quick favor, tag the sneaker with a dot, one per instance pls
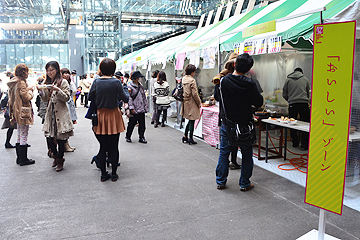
(105, 177)
(244, 189)
(128, 139)
(114, 178)
(142, 140)
(234, 166)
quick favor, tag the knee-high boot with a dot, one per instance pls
(23, 156)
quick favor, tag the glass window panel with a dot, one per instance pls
(10, 54)
(29, 54)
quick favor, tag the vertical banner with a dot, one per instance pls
(260, 46)
(209, 58)
(274, 44)
(333, 62)
(180, 58)
(249, 47)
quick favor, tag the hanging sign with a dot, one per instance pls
(249, 48)
(239, 48)
(259, 28)
(180, 58)
(260, 46)
(330, 114)
(138, 59)
(195, 58)
(274, 44)
(209, 57)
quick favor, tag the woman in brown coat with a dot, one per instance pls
(58, 125)
(20, 110)
(191, 105)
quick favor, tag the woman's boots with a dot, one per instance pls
(59, 164)
(22, 155)
(68, 148)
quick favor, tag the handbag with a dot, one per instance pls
(238, 134)
(92, 111)
(25, 113)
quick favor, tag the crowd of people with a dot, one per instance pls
(112, 95)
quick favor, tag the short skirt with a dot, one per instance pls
(110, 121)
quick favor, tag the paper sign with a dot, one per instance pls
(180, 58)
(239, 48)
(249, 48)
(274, 44)
(333, 62)
(260, 46)
(209, 58)
(195, 58)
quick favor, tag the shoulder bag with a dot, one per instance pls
(92, 111)
(238, 134)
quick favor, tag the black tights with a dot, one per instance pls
(108, 144)
(59, 153)
(9, 134)
(190, 127)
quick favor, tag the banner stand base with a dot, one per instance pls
(313, 235)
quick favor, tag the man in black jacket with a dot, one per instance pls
(240, 94)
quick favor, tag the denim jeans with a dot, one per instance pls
(222, 168)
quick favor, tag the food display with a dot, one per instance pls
(283, 119)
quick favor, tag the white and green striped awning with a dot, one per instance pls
(291, 24)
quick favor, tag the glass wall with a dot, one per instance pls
(35, 56)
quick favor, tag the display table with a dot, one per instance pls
(300, 126)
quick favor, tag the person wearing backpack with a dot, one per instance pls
(190, 108)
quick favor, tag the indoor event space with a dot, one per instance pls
(180, 119)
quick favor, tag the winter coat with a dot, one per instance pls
(62, 114)
(19, 96)
(296, 88)
(139, 104)
(190, 108)
(162, 93)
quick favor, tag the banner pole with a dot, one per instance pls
(322, 222)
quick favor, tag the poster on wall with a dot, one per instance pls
(260, 46)
(239, 48)
(249, 47)
(330, 114)
(180, 58)
(209, 58)
(195, 58)
(274, 44)
(126, 67)
(133, 67)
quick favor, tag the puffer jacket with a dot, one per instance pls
(19, 96)
(138, 103)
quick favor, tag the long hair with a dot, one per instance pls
(161, 77)
(58, 78)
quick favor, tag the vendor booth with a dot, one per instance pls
(279, 37)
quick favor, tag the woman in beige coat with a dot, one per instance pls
(58, 125)
(191, 105)
(20, 110)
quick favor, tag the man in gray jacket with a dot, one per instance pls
(297, 92)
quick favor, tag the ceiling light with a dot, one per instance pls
(19, 3)
(152, 6)
(7, 2)
(125, 4)
(31, 3)
(169, 8)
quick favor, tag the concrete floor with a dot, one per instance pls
(166, 190)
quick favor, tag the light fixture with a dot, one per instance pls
(125, 4)
(152, 6)
(7, 2)
(160, 8)
(141, 7)
(31, 3)
(169, 8)
(19, 3)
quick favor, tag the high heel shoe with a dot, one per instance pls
(191, 141)
(184, 139)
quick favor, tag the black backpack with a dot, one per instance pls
(178, 92)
